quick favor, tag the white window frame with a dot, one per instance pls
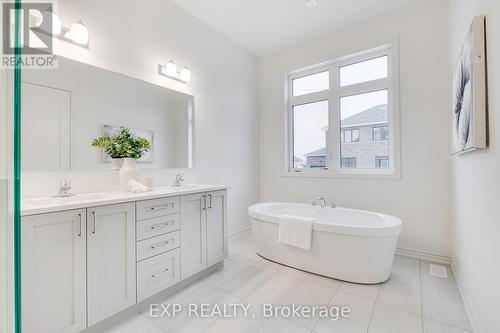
(333, 95)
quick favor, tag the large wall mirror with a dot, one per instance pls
(66, 108)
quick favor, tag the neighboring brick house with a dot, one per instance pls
(316, 159)
(364, 142)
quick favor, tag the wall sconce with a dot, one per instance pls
(78, 34)
(170, 70)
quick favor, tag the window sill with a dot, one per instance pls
(389, 175)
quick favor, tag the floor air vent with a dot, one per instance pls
(439, 271)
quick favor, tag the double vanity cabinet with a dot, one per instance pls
(83, 265)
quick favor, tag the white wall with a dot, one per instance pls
(421, 198)
(133, 38)
(476, 180)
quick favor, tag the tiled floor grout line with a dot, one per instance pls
(447, 324)
(373, 310)
(298, 324)
(329, 302)
(291, 293)
(441, 286)
(251, 262)
(398, 309)
(401, 309)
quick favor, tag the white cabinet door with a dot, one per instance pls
(54, 272)
(111, 260)
(216, 227)
(193, 234)
(157, 273)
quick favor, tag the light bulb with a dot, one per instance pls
(56, 24)
(185, 74)
(171, 69)
(79, 33)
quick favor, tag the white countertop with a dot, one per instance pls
(31, 206)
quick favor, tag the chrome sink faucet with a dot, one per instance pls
(64, 189)
(178, 180)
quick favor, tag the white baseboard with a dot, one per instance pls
(467, 303)
(424, 255)
(239, 234)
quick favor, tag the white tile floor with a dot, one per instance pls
(411, 301)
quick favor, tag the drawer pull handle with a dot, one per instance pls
(80, 225)
(161, 225)
(154, 246)
(155, 275)
(94, 218)
(161, 207)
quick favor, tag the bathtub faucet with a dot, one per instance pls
(322, 203)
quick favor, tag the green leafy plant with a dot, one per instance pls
(123, 145)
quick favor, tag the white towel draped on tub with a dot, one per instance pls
(296, 231)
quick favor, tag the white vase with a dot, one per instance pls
(116, 163)
(127, 172)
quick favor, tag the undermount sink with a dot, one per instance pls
(62, 200)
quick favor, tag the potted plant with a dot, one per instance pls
(127, 148)
(111, 148)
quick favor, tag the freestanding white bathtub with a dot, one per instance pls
(347, 244)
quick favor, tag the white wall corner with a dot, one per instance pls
(476, 328)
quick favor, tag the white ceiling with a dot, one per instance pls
(265, 26)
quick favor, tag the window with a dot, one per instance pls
(380, 133)
(350, 135)
(363, 71)
(310, 122)
(311, 83)
(381, 162)
(348, 162)
(334, 105)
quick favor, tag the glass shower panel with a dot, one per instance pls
(10, 227)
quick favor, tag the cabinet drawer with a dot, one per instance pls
(157, 207)
(150, 247)
(157, 273)
(157, 226)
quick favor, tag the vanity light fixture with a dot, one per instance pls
(78, 34)
(170, 70)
